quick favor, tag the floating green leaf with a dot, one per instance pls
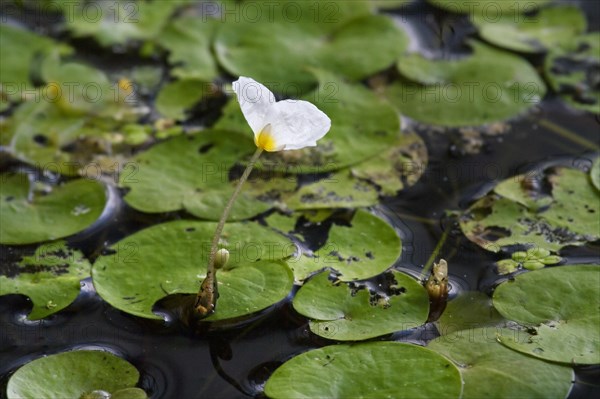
(179, 96)
(560, 306)
(119, 21)
(72, 375)
(366, 370)
(521, 213)
(362, 126)
(20, 54)
(490, 370)
(351, 312)
(183, 34)
(337, 190)
(357, 249)
(193, 174)
(532, 259)
(487, 86)
(550, 27)
(44, 213)
(571, 70)
(50, 278)
(280, 46)
(397, 168)
(471, 309)
(171, 258)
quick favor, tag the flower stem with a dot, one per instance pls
(206, 300)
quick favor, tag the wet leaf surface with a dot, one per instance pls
(367, 370)
(47, 212)
(357, 249)
(171, 258)
(560, 307)
(572, 71)
(471, 309)
(72, 375)
(546, 29)
(491, 370)
(183, 34)
(550, 210)
(338, 37)
(397, 168)
(595, 173)
(354, 312)
(486, 86)
(50, 278)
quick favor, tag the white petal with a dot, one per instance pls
(255, 101)
(297, 124)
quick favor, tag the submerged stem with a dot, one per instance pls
(206, 299)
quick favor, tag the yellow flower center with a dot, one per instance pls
(265, 139)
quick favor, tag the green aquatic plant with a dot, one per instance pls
(532, 259)
(277, 126)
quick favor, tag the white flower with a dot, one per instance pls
(279, 125)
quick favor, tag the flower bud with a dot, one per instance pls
(221, 258)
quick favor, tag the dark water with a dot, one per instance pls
(235, 362)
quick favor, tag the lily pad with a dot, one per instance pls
(490, 370)
(366, 370)
(486, 86)
(337, 190)
(133, 275)
(550, 27)
(282, 45)
(20, 54)
(183, 34)
(353, 312)
(36, 214)
(193, 174)
(72, 375)
(522, 213)
(362, 126)
(560, 307)
(50, 278)
(176, 97)
(470, 310)
(571, 70)
(118, 22)
(397, 168)
(389, 4)
(360, 248)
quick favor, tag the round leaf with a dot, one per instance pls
(367, 370)
(490, 8)
(571, 68)
(345, 313)
(281, 46)
(171, 258)
(50, 278)
(490, 370)
(471, 309)
(360, 249)
(487, 86)
(560, 304)
(550, 27)
(71, 375)
(193, 174)
(65, 210)
(520, 212)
